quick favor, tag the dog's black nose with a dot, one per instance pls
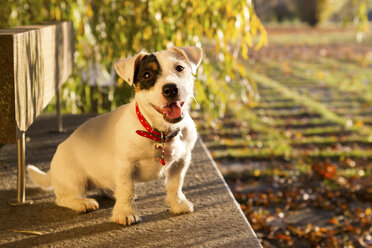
(170, 91)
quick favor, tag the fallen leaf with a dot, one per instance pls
(243, 207)
(308, 228)
(325, 169)
(320, 75)
(298, 135)
(333, 221)
(29, 232)
(284, 237)
(295, 230)
(323, 230)
(286, 68)
(368, 211)
(359, 123)
(257, 173)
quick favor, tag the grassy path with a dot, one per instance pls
(300, 163)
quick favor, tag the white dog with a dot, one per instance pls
(151, 136)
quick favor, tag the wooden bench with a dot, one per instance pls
(35, 61)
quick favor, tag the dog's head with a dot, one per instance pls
(163, 80)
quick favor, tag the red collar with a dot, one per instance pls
(154, 134)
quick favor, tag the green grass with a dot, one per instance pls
(320, 130)
(313, 106)
(285, 112)
(360, 154)
(311, 37)
(330, 140)
(303, 121)
(272, 139)
(306, 39)
(252, 153)
(283, 152)
(344, 77)
(317, 123)
(276, 105)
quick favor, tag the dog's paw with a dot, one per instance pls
(79, 204)
(181, 206)
(124, 216)
(89, 204)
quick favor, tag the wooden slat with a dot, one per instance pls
(41, 60)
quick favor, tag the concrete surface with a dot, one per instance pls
(216, 222)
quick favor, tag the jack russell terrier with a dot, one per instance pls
(152, 135)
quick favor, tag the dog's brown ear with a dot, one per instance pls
(126, 68)
(192, 54)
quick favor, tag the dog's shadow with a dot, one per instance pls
(44, 210)
(59, 223)
(82, 232)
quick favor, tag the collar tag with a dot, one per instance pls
(155, 135)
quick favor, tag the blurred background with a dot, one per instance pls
(283, 98)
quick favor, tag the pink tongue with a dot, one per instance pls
(173, 110)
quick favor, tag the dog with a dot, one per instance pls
(153, 135)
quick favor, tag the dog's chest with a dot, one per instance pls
(148, 166)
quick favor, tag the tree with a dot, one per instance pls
(108, 30)
(318, 11)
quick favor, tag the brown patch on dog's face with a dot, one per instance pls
(147, 72)
(138, 87)
(154, 66)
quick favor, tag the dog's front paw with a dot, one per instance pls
(79, 204)
(181, 206)
(124, 215)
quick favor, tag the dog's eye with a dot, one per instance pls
(146, 75)
(179, 68)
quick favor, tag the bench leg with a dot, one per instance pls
(59, 112)
(21, 186)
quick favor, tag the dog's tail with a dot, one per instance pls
(39, 177)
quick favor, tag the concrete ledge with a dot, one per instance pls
(216, 222)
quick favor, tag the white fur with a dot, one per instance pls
(39, 176)
(107, 151)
